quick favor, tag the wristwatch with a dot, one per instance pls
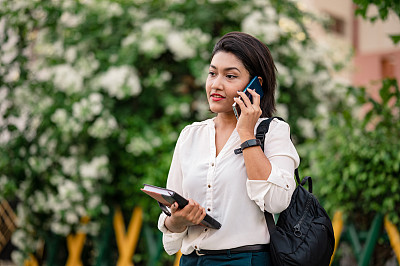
(247, 144)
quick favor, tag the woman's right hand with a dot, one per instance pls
(191, 214)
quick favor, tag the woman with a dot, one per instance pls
(233, 189)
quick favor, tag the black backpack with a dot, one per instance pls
(303, 234)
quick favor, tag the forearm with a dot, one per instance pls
(258, 166)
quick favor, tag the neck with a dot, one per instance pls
(225, 121)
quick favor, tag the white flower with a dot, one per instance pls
(13, 74)
(3, 23)
(282, 111)
(70, 20)
(67, 79)
(94, 202)
(114, 9)
(69, 165)
(39, 164)
(138, 145)
(87, 108)
(3, 93)
(120, 82)
(105, 209)
(43, 74)
(61, 229)
(179, 46)
(103, 127)
(71, 217)
(202, 108)
(156, 27)
(283, 74)
(60, 116)
(256, 24)
(9, 55)
(18, 238)
(128, 40)
(67, 188)
(307, 127)
(270, 13)
(12, 40)
(20, 122)
(80, 210)
(86, 65)
(288, 25)
(152, 47)
(17, 257)
(95, 169)
(184, 109)
(70, 54)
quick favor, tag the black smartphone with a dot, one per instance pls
(255, 85)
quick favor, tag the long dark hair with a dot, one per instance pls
(257, 59)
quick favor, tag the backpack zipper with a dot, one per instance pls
(296, 228)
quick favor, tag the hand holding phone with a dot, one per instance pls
(255, 85)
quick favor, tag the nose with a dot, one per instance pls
(217, 82)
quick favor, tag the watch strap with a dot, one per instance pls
(247, 144)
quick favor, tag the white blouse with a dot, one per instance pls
(220, 185)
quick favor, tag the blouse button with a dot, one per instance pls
(287, 186)
(205, 230)
(209, 186)
(212, 164)
(208, 209)
(195, 247)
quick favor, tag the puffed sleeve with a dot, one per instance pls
(274, 194)
(173, 241)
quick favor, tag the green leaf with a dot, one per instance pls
(395, 38)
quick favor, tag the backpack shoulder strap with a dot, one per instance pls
(262, 130)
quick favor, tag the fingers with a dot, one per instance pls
(174, 207)
(246, 106)
(195, 212)
(192, 213)
(245, 99)
(256, 97)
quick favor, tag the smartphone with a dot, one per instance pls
(255, 85)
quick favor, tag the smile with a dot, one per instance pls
(216, 97)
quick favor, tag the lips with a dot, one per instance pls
(216, 97)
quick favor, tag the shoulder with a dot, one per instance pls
(195, 128)
(276, 125)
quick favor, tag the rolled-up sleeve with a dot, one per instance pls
(172, 242)
(274, 194)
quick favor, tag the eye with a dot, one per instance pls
(229, 76)
(210, 73)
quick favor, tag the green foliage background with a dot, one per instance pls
(93, 95)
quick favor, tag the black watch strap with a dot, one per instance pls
(247, 144)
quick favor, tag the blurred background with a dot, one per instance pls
(94, 93)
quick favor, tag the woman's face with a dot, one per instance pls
(226, 76)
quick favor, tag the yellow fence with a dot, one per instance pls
(127, 240)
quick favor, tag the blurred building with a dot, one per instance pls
(376, 56)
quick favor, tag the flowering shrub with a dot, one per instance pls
(93, 95)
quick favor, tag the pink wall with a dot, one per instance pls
(374, 67)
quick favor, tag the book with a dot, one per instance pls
(167, 197)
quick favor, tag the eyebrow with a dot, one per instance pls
(226, 69)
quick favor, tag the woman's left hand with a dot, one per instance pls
(249, 114)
